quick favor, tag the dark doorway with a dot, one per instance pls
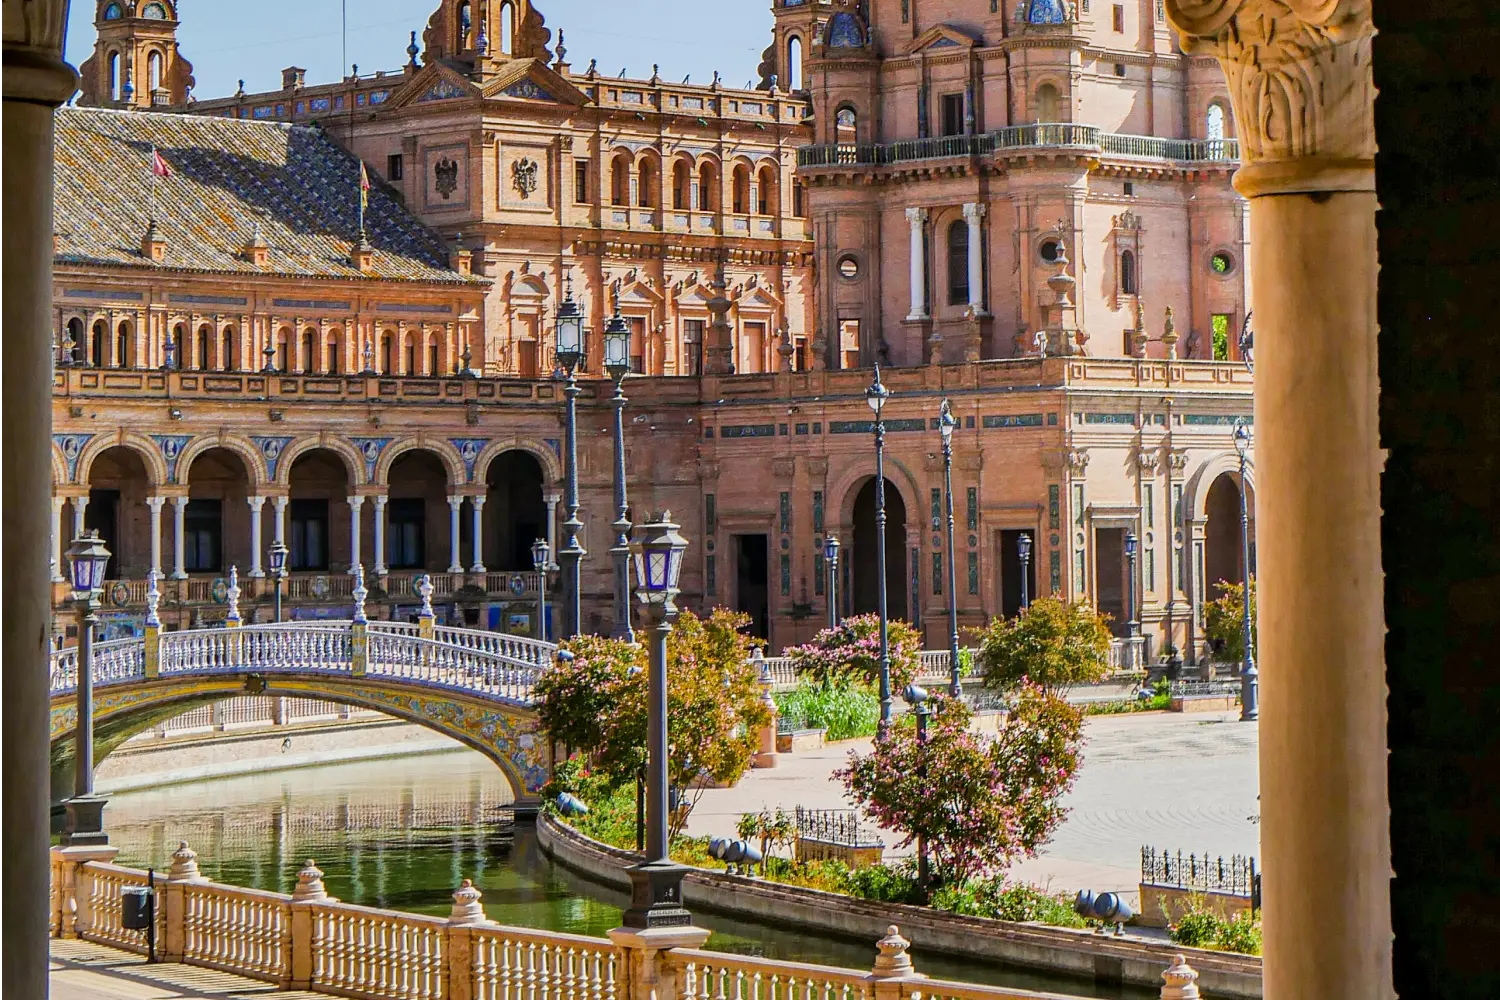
(515, 514)
(406, 533)
(103, 515)
(309, 540)
(1109, 578)
(1010, 572)
(751, 577)
(203, 539)
(1223, 557)
(862, 556)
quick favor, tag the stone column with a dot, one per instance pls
(974, 216)
(36, 82)
(256, 503)
(455, 564)
(477, 503)
(380, 502)
(1300, 78)
(355, 505)
(917, 217)
(552, 498)
(278, 523)
(80, 505)
(57, 540)
(154, 504)
(179, 541)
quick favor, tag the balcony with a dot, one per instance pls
(1046, 135)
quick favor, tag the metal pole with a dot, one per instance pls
(572, 553)
(621, 550)
(1025, 579)
(833, 590)
(923, 873)
(1249, 676)
(541, 603)
(656, 758)
(1135, 626)
(83, 775)
(955, 682)
(280, 576)
(885, 637)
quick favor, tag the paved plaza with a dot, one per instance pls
(1172, 781)
(80, 970)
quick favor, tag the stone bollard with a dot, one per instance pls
(765, 755)
(182, 873)
(1181, 982)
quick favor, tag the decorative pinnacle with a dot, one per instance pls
(467, 910)
(893, 961)
(309, 883)
(359, 594)
(153, 599)
(425, 588)
(233, 594)
(184, 865)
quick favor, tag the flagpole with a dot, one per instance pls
(155, 179)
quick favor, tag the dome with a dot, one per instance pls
(1046, 12)
(844, 32)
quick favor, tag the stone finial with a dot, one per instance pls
(153, 599)
(893, 962)
(1169, 336)
(309, 884)
(233, 595)
(359, 594)
(1181, 982)
(467, 910)
(425, 588)
(785, 350)
(184, 865)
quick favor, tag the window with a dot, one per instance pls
(334, 362)
(1221, 336)
(1129, 188)
(153, 71)
(958, 263)
(754, 353)
(393, 167)
(741, 189)
(96, 348)
(411, 355)
(202, 528)
(200, 359)
(75, 334)
(310, 351)
(849, 267)
(388, 354)
(708, 187)
(692, 347)
(619, 181)
(1213, 125)
(1120, 18)
(797, 209)
(309, 541)
(1120, 69)
(1127, 273)
(122, 345)
(1050, 250)
(646, 185)
(767, 202)
(849, 339)
(407, 529)
(581, 182)
(638, 345)
(434, 358)
(1048, 104)
(507, 26)
(794, 63)
(953, 114)
(846, 120)
(1221, 263)
(226, 351)
(682, 186)
(526, 358)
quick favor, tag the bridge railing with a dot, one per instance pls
(439, 664)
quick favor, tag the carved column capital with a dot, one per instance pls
(1300, 78)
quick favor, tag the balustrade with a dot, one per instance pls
(512, 964)
(1036, 135)
(244, 931)
(360, 952)
(706, 975)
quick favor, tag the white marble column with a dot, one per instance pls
(154, 504)
(355, 505)
(478, 507)
(256, 503)
(455, 564)
(380, 502)
(974, 216)
(552, 498)
(179, 539)
(917, 217)
(278, 523)
(57, 545)
(80, 504)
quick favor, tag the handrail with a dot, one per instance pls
(1038, 135)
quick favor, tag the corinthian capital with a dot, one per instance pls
(1299, 75)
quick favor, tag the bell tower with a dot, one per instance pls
(478, 36)
(136, 63)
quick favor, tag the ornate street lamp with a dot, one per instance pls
(1249, 676)
(569, 357)
(656, 883)
(1023, 548)
(947, 424)
(541, 560)
(876, 396)
(87, 560)
(918, 698)
(617, 363)
(279, 552)
(1131, 543)
(831, 556)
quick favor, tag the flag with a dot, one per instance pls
(159, 166)
(364, 188)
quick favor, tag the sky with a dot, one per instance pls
(228, 41)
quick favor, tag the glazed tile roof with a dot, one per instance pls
(296, 183)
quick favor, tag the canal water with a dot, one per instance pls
(401, 834)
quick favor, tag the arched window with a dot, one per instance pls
(1128, 284)
(958, 262)
(708, 188)
(388, 353)
(78, 352)
(794, 63)
(434, 357)
(284, 350)
(619, 180)
(309, 350)
(153, 70)
(798, 208)
(180, 359)
(507, 27)
(847, 122)
(114, 76)
(201, 354)
(335, 354)
(766, 195)
(411, 354)
(465, 25)
(122, 345)
(1213, 125)
(682, 185)
(646, 183)
(96, 349)
(227, 360)
(741, 189)
(1048, 104)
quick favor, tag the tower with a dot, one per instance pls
(797, 25)
(136, 63)
(478, 35)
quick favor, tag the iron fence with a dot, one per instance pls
(1233, 876)
(834, 826)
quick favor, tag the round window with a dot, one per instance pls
(1051, 249)
(849, 267)
(1221, 263)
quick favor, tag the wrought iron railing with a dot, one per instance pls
(1235, 876)
(834, 826)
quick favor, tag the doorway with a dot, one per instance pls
(1109, 578)
(103, 515)
(863, 559)
(1010, 572)
(751, 582)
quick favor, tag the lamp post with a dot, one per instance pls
(541, 560)
(569, 357)
(917, 698)
(1131, 543)
(876, 396)
(656, 883)
(1249, 676)
(87, 559)
(947, 424)
(831, 555)
(617, 363)
(279, 553)
(1023, 548)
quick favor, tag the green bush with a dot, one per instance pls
(1159, 701)
(999, 900)
(885, 883)
(846, 710)
(1197, 929)
(1201, 928)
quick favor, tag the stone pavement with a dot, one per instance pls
(84, 971)
(1173, 781)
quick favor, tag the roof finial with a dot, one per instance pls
(412, 50)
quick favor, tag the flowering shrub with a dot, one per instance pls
(1054, 644)
(980, 803)
(1224, 622)
(850, 653)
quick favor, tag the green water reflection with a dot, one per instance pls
(402, 834)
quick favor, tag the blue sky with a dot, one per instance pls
(228, 41)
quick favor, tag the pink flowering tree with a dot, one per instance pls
(850, 653)
(981, 803)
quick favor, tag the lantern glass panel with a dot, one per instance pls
(617, 345)
(569, 330)
(676, 567)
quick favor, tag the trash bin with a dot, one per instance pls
(137, 907)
